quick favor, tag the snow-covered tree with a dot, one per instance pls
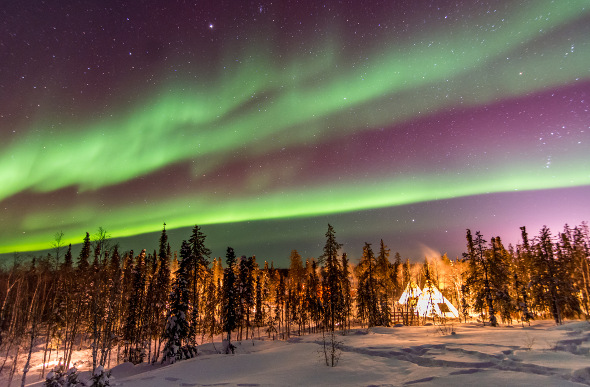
(100, 378)
(177, 329)
(58, 378)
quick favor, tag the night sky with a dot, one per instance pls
(263, 122)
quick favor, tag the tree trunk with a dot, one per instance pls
(14, 364)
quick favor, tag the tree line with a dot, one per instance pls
(156, 307)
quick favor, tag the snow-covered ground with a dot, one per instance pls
(542, 355)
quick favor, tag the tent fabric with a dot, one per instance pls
(431, 302)
(412, 291)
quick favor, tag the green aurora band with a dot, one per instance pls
(261, 107)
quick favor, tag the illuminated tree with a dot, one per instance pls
(297, 308)
(134, 324)
(551, 281)
(367, 299)
(161, 289)
(245, 293)
(177, 329)
(500, 279)
(199, 268)
(332, 288)
(386, 284)
(312, 295)
(478, 278)
(346, 290)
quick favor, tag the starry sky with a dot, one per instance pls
(407, 121)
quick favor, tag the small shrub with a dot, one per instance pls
(528, 341)
(100, 377)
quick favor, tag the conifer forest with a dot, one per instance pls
(159, 306)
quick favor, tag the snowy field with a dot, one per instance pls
(542, 355)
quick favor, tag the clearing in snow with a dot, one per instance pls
(442, 355)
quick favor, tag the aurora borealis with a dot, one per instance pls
(407, 121)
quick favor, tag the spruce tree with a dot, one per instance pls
(68, 262)
(346, 293)
(229, 298)
(133, 332)
(500, 279)
(295, 280)
(396, 275)
(580, 255)
(245, 293)
(161, 290)
(385, 284)
(331, 281)
(367, 299)
(522, 277)
(177, 329)
(210, 326)
(551, 282)
(259, 314)
(312, 295)
(199, 268)
(83, 262)
(479, 272)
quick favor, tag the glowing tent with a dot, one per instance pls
(431, 302)
(412, 292)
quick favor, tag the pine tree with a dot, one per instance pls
(161, 289)
(199, 268)
(68, 262)
(133, 332)
(367, 299)
(331, 281)
(500, 279)
(396, 275)
(522, 277)
(580, 254)
(229, 298)
(245, 293)
(571, 255)
(259, 315)
(296, 270)
(83, 262)
(346, 293)
(298, 311)
(551, 282)
(210, 326)
(112, 305)
(479, 271)
(312, 295)
(280, 300)
(177, 329)
(385, 284)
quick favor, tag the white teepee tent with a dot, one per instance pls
(431, 302)
(412, 291)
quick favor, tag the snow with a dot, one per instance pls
(542, 354)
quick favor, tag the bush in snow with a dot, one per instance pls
(57, 378)
(100, 377)
(54, 378)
